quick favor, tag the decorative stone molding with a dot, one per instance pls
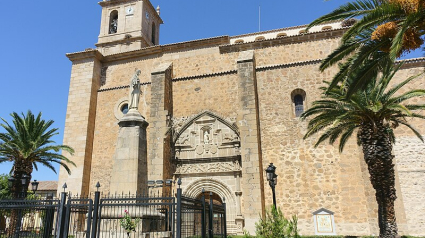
(216, 186)
(182, 123)
(205, 135)
(214, 167)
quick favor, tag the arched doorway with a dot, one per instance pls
(207, 156)
(211, 195)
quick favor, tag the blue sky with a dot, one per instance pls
(36, 35)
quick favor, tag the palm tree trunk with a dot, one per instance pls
(20, 168)
(377, 151)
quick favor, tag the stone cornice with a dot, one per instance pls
(222, 42)
(288, 65)
(87, 54)
(115, 2)
(286, 40)
(280, 29)
(121, 87)
(158, 49)
(122, 41)
(408, 63)
(205, 75)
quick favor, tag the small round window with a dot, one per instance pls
(124, 108)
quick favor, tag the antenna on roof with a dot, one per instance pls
(259, 17)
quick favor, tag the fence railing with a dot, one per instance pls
(170, 216)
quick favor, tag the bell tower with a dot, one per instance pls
(128, 25)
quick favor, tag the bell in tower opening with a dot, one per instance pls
(113, 26)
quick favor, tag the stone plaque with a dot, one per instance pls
(324, 223)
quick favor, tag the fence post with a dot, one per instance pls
(225, 219)
(18, 223)
(95, 213)
(210, 230)
(204, 225)
(61, 215)
(179, 210)
(48, 219)
(67, 216)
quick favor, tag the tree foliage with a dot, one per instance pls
(4, 187)
(372, 113)
(386, 29)
(27, 142)
(338, 116)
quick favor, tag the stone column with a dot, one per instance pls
(248, 122)
(159, 163)
(238, 194)
(129, 173)
(239, 218)
(80, 119)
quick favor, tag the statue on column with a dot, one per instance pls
(133, 101)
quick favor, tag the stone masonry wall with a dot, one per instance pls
(309, 178)
(410, 161)
(80, 121)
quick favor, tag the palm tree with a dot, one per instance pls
(372, 113)
(29, 143)
(386, 30)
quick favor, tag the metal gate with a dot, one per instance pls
(99, 217)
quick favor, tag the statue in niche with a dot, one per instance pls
(206, 137)
(114, 26)
(133, 101)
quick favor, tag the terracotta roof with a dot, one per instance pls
(47, 186)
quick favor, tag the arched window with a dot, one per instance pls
(260, 38)
(299, 105)
(153, 33)
(298, 97)
(325, 28)
(113, 22)
(240, 41)
(302, 32)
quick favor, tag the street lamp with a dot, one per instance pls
(25, 180)
(272, 178)
(34, 186)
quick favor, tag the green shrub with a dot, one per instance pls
(276, 225)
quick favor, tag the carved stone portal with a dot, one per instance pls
(206, 136)
(207, 149)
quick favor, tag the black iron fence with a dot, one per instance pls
(28, 218)
(173, 216)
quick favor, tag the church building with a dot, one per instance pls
(215, 113)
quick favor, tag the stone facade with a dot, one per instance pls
(219, 111)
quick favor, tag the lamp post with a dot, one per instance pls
(25, 180)
(34, 186)
(272, 178)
